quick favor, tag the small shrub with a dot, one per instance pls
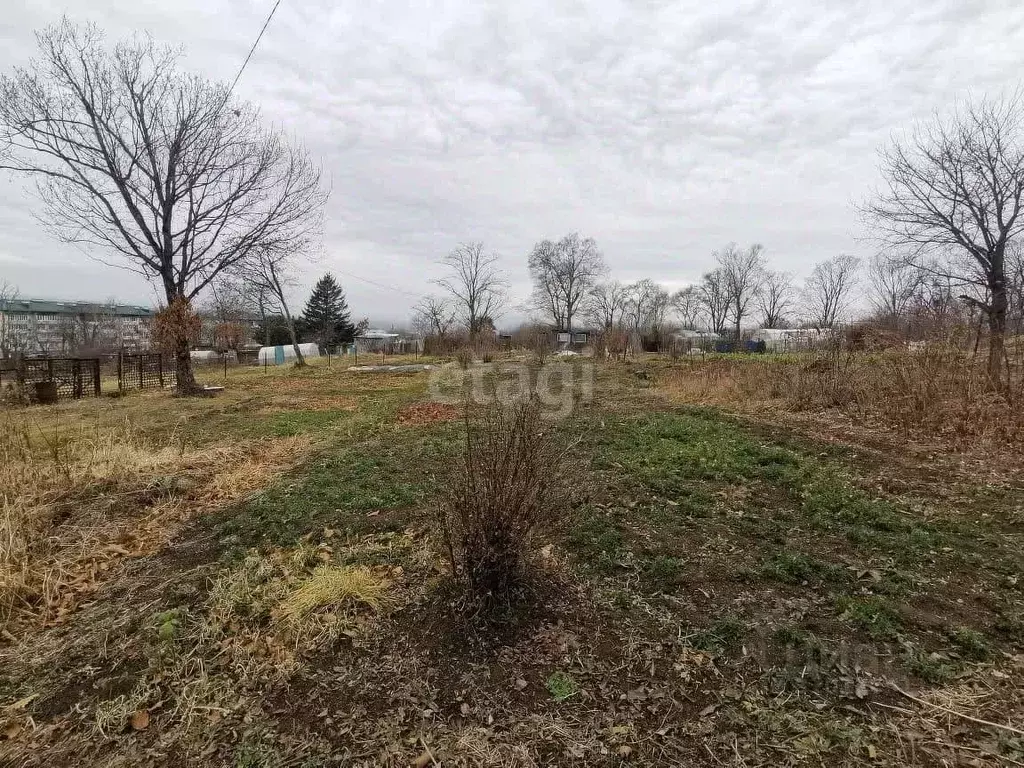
(931, 667)
(970, 644)
(663, 573)
(509, 480)
(723, 635)
(14, 394)
(561, 686)
(464, 357)
(872, 614)
(488, 357)
(796, 637)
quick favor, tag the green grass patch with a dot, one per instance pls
(662, 573)
(798, 568)
(931, 667)
(874, 615)
(725, 634)
(341, 490)
(292, 423)
(597, 541)
(970, 644)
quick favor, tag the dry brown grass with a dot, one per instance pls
(75, 498)
(939, 392)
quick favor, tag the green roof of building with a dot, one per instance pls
(46, 307)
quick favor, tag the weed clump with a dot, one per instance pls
(508, 482)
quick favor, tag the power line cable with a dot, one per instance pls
(234, 82)
(379, 285)
(253, 49)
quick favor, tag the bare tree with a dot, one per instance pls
(11, 340)
(161, 169)
(230, 308)
(645, 307)
(713, 294)
(433, 316)
(894, 283)
(563, 273)
(827, 291)
(775, 298)
(955, 186)
(742, 273)
(476, 285)
(605, 303)
(269, 273)
(687, 305)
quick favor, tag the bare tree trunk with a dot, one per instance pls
(300, 361)
(185, 379)
(997, 333)
(180, 310)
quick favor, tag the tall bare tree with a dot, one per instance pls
(776, 298)
(605, 303)
(160, 169)
(433, 316)
(742, 272)
(563, 273)
(475, 284)
(894, 284)
(713, 294)
(956, 186)
(827, 292)
(687, 305)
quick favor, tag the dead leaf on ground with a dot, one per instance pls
(140, 720)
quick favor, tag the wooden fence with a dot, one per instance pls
(48, 379)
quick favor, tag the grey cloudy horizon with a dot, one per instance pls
(664, 130)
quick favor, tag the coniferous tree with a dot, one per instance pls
(326, 317)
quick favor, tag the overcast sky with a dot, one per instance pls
(662, 129)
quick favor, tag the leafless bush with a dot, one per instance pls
(939, 388)
(464, 357)
(509, 481)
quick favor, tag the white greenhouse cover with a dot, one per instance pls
(279, 354)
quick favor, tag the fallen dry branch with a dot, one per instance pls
(961, 715)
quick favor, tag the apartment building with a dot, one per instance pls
(39, 327)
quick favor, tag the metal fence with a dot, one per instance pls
(143, 371)
(53, 378)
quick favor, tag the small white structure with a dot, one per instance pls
(376, 340)
(694, 341)
(283, 353)
(212, 356)
(692, 335)
(789, 339)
